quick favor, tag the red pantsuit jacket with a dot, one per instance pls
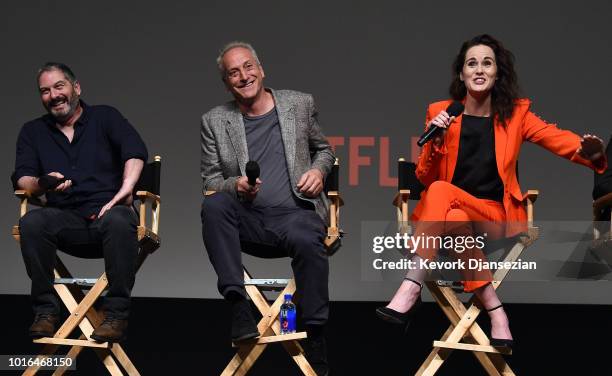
(439, 163)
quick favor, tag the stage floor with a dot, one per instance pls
(191, 336)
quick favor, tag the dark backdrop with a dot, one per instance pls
(372, 67)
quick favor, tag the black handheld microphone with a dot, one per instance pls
(455, 109)
(48, 182)
(252, 172)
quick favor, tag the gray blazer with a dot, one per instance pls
(224, 146)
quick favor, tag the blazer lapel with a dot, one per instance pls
(501, 144)
(237, 135)
(286, 119)
(453, 136)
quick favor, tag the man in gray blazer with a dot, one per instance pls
(282, 213)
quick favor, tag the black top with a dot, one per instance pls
(266, 147)
(94, 160)
(603, 182)
(476, 170)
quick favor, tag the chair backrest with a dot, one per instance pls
(332, 183)
(14, 181)
(406, 179)
(150, 177)
(332, 189)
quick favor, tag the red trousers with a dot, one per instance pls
(450, 211)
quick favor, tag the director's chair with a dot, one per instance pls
(463, 333)
(80, 304)
(269, 326)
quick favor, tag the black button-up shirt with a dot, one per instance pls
(94, 160)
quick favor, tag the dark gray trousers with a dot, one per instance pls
(230, 227)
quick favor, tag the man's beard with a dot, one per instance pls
(71, 103)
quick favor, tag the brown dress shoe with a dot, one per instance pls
(111, 330)
(43, 325)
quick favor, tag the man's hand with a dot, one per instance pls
(131, 172)
(311, 183)
(121, 198)
(63, 186)
(591, 147)
(246, 190)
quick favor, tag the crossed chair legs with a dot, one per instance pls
(269, 327)
(464, 333)
(86, 317)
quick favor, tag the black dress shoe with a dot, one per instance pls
(400, 318)
(243, 323)
(502, 343)
(316, 349)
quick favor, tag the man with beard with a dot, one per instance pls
(86, 160)
(284, 212)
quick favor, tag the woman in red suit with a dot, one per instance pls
(469, 170)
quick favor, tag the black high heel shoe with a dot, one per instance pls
(501, 342)
(400, 318)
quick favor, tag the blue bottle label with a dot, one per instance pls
(287, 320)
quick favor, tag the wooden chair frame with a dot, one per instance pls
(269, 326)
(464, 333)
(80, 304)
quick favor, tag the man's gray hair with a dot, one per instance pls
(51, 66)
(230, 46)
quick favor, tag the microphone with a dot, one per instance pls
(455, 109)
(48, 182)
(252, 172)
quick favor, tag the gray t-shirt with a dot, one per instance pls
(266, 147)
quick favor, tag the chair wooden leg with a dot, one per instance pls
(124, 360)
(92, 320)
(250, 355)
(436, 357)
(269, 325)
(463, 325)
(79, 312)
(455, 311)
(238, 359)
(108, 361)
(47, 350)
(72, 354)
(269, 315)
(297, 353)
(86, 317)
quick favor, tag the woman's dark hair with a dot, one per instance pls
(506, 89)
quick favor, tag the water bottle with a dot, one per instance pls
(287, 316)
